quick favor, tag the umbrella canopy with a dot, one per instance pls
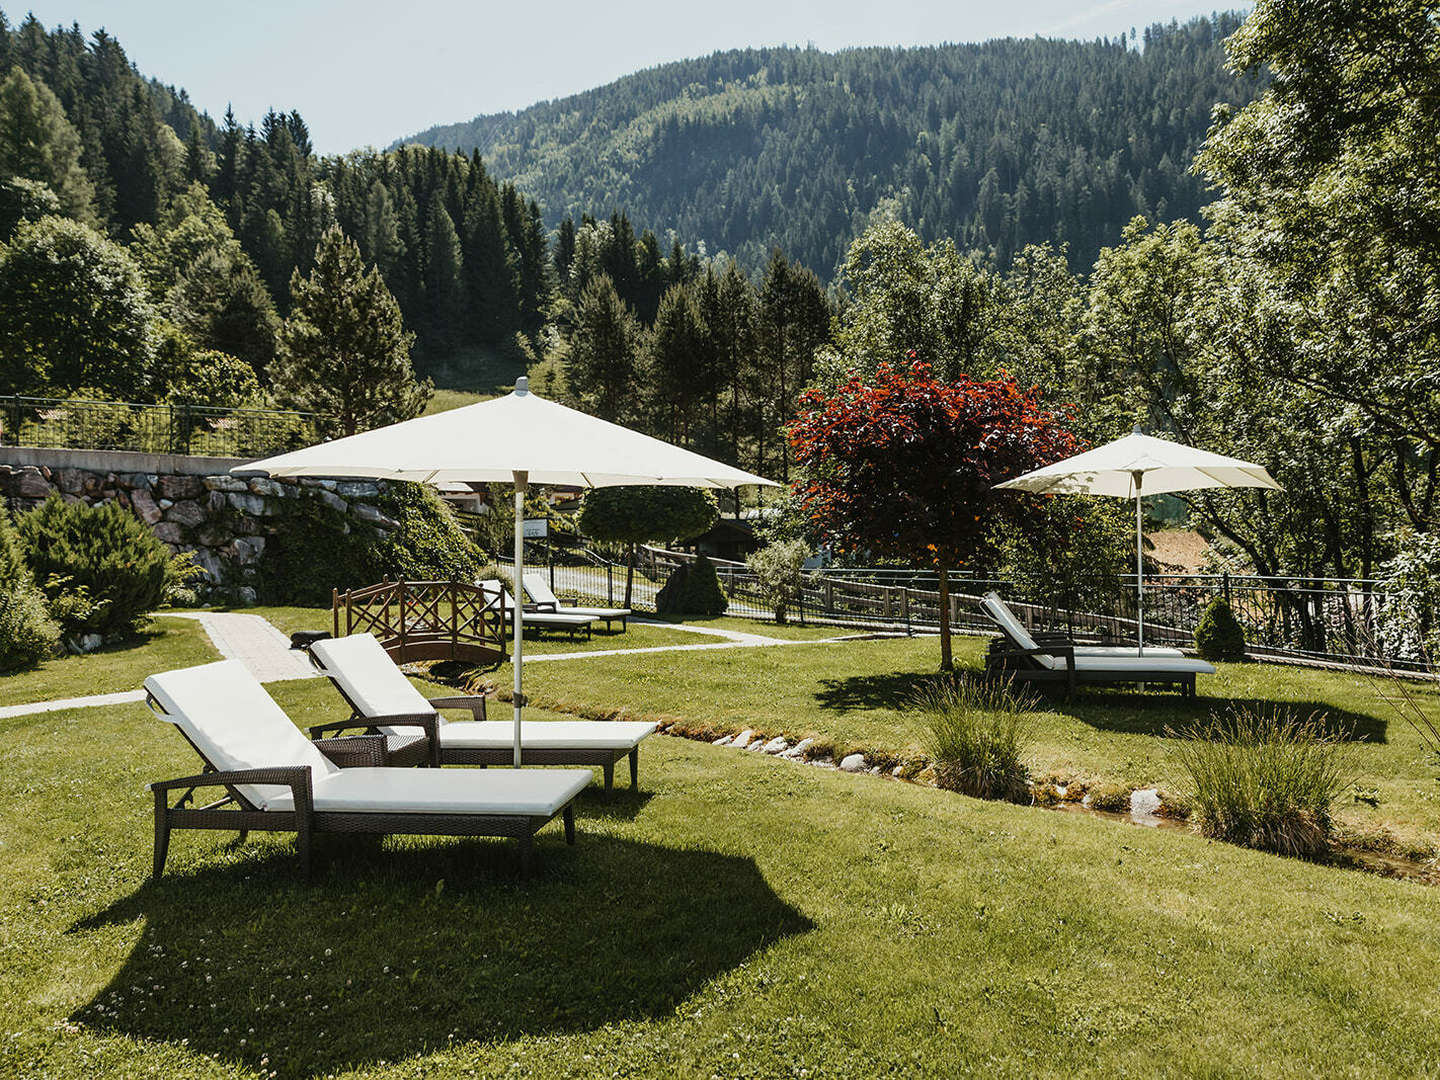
(518, 439)
(1136, 466)
(492, 441)
(1142, 464)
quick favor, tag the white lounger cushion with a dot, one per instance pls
(236, 725)
(1001, 613)
(529, 792)
(376, 687)
(370, 679)
(544, 734)
(539, 590)
(538, 618)
(1147, 664)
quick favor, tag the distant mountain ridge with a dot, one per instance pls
(997, 144)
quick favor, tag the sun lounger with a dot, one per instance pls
(1018, 656)
(377, 691)
(538, 589)
(277, 780)
(537, 619)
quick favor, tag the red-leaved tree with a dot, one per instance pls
(904, 465)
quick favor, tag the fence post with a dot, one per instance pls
(828, 591)
(905, 606)
(1225, 585)
(609, 583)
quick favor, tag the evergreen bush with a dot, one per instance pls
(702, 594)
(27, 632)
(101, 554)
(778, 568)
(1218, 635)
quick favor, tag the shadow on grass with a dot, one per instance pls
(1129, 711)
(856, 692)
(1140, 713)
(395, 949)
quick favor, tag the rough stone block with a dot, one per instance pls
(246, 503)
(168, 531)
(372, 515)
(262, 486)
(187, 513)
(181, 487)
(30, 483)
(143, 504)
(224, 483)
(357, 489)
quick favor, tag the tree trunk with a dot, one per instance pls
(946, 663)
(629, 574)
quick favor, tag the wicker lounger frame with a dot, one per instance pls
(1007, 661)
(426, 748)
(305, 821)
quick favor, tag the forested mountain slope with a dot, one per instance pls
(998, 145)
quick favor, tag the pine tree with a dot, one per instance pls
(38, 143)
(344, 349)
(675, 345)
(604, 347)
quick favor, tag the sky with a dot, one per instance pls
(366, 72)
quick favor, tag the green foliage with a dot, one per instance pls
(75, 313)
(1265, 780)
(692, 589)
(24, 200)
(37, 143)
(1409, 619)
(637, 514)
(1218, 634)
(1111, 798)
(316, 547)
(27, 632)
(977, 735)
(206, 377)
(702, 594)
(779, 573)
(102, 570)
(344, 349)
(602, 363)
(801, 148)
(1071, 552)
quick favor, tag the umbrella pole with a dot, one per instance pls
(521, 482)
(1139, 563)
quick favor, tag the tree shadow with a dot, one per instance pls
(1150, 713)
(397, 948)
(854, 693)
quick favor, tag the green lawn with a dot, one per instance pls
(744, 917)
(167, 643)
(851, 695)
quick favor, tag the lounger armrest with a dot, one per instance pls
(295, 777)
(475, 703)
(427, 722)
(355, 723)
(354, 751)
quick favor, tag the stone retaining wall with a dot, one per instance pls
(225, 520)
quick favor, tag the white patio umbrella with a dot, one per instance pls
(518, 439)
(1136, 466)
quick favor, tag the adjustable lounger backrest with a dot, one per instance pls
(369, 679)
(1014, 629)
(228, 716)
(539, 590)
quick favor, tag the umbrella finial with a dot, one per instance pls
(522, 385)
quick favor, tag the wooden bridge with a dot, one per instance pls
(424, 620)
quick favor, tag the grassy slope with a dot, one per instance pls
(849, 694)
(167, 643)
(748, 917)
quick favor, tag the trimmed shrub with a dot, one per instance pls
(778, 569)
(1264, 780)
(1218, 635)
(977, 736)
(100, 568)
(703, 595)
(27, 632)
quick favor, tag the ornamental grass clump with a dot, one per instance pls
(977, 736)
(1265, 779)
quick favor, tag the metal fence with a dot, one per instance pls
(78, 424)
(1326, 620)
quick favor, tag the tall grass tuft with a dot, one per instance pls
(977, 736)
(1265, 779)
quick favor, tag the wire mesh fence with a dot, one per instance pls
(205, 431)
(1323, 620)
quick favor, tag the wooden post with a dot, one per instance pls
(334, 612)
